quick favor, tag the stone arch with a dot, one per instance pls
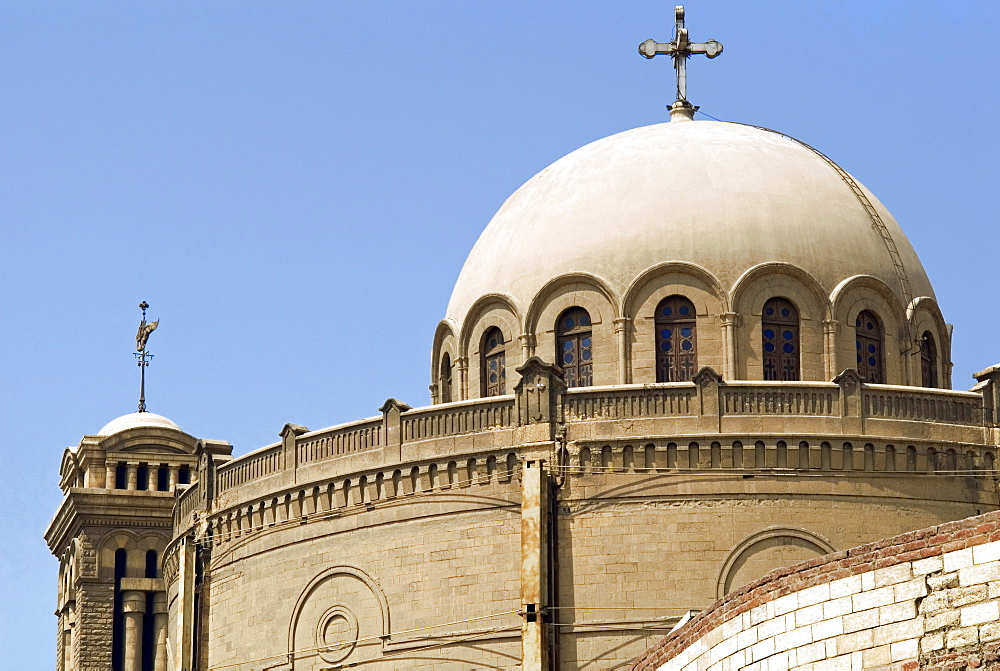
(653, 285)
(135, 544)
(864, 292)
(923, 315)
(445, 342)
(576, 290)
(303, 607)
(779, 280)
(806, 542)
(490, 311)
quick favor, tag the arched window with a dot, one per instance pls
(869, 345)
(493, 359)
(780, 340)
(928, 360)
(676, 340)
(575, 347)
(445, 383)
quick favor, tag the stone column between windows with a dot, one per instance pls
(133, 609)
(527, 346)
(173, 470)
(462, 364)
(160, 631)
(133, 476)
(623, 327)
(729, 321)
(830, 348)
(112, 472)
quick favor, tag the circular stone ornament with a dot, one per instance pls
(336, 634)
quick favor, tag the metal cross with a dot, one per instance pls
(141, 355)
(680, 50)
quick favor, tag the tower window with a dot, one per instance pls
(676, 340)
(575, 347)
(780, 340)
(121, 476)
(869, 345)
(494, 364)
(445, 378)
(184, 476)
(928, 360)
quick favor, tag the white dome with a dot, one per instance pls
(137, 420)
(723, 196)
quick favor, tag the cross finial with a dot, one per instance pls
(680, 49)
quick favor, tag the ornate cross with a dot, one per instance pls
(680, 49)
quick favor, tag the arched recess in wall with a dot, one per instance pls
(924, 315)
(767, 550)
(490, 311)
(576, 290)
(342, 613)
(752, 291)
(639, 307)
(445, 342)
(866, 293)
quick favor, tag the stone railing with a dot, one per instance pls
(662, 400)
(339, 440)
(950, 407)
(453, 419)
(780, 398)
(188, 501)
(253, 466)
(782, 424)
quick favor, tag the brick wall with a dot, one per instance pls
(924, 598)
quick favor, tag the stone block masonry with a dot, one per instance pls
(923, 599)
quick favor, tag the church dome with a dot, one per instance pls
(722, 196)
(137, 420)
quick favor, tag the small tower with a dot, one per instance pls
(110, 532)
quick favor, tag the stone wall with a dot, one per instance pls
(927, 598)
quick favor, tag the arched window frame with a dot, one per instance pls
(780, 349)
(575, 347)
(676, 339)
(928, 360)
(493, 360)
(869, 340)
(444, 380)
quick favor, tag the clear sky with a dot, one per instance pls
(293, 187)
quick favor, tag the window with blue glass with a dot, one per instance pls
(494, 366)
(869, 345)
(575, 345)
(676, 340)
(780, 340)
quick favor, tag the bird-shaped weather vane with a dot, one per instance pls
(141, 355)
(680, 50)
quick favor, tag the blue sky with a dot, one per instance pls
(293, 187)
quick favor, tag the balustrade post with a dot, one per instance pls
(392, 428)
(707, 383)
(851, 399)
(539, 394)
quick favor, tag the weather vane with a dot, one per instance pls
(680, 50)
(141, 355)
